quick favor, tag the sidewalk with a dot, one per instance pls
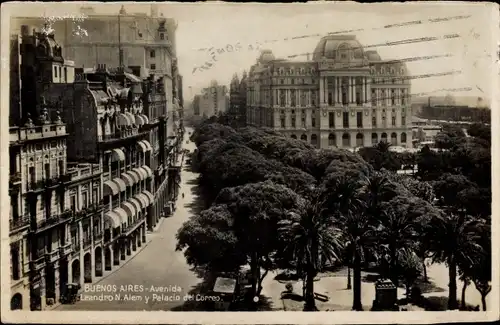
(150, 235)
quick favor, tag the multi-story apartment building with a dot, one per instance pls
(38, 220)
(213, 101)
(234, 96)
(41, 219)
(196, 105)
(243, 98)
(345, 97)
(81, 191)
(143, 43)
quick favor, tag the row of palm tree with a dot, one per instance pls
(352, 220)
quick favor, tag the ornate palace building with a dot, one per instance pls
(344, 97)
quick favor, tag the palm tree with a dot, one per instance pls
(455, 239)
(347, 209)
(358, 231)
(375, 190)
(349, 253)
(410, 267)
(383, 146)
(398, 231)
(313, 241)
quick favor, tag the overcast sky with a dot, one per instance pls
(217, 25)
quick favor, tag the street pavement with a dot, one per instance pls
(158, 267)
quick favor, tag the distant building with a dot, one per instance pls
(213, 100)
(243, 98)
(196, 105)
(423, 131)
(234, 96)
(345, 97)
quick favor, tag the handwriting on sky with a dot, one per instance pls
(77, 30)
(214, 53)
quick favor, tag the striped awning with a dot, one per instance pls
(122, 214)
(142, 146)
(117, 155)
(139, 120)
(121, 184)
(110, 188)
(148, 170)
(145, 118)
(147, 144)
(142, 173)
(150, 196)
(142, 199)
(135, 177)
(129, 208)
(136, 203)
(123, 120)
(111, 218)
(131, 117)
(129, 181)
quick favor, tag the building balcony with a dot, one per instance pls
(38, 263)
(17, 224)
(98, 237)
(87, 242)
(78, 171)
(45, 183)
(52, 221)
(15, 179)
(65, 250)
(37, 132)
(90, 210)
(51, 257)
(119, 135)
(132, 227)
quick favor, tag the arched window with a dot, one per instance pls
(343, 51)
(394, 138)
(331, 140)
(384, 137)
(294, 136)
(303, 137)
(374, 138)
(314, 139)
(346, 140)
(403, 137)
(359, 140)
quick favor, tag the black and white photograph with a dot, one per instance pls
(331, 159)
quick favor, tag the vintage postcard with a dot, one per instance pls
(311, 163)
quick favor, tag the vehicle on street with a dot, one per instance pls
(70, 296)
(226, 289)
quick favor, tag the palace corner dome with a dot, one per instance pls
(344, 97)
